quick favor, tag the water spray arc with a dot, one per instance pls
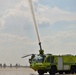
(35, 23)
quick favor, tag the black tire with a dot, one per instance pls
(60, 72)
(72, 69)
(75, 68)
(66, 72)
(41, 72)
(53, 70)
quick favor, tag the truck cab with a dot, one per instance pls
(37, 62)
(41, 63)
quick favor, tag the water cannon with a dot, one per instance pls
(41, 51)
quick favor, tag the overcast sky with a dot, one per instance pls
(56, 23)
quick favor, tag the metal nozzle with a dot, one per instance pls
(40, 45)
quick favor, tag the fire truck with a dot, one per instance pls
(43, 63)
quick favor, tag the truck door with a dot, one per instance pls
(60, 63)
(47, 62)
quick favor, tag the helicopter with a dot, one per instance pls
(43, 63)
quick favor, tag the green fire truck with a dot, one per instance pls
(53, 63)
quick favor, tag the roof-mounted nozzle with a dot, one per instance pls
(40, 45)
(41, 51)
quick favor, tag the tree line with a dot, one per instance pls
(11, 66)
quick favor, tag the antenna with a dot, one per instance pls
(35, 23)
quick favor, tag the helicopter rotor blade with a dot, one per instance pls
(26, 55)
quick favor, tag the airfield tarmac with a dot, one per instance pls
(21, 71)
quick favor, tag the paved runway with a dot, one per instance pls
(21, 71)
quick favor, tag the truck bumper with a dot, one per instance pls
(37, 66)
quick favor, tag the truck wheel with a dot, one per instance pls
(72, 69)
(40, 72)
(60, 72)
(67, 72)
(75, 68)
(53, 70)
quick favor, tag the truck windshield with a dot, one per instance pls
(38, 58)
